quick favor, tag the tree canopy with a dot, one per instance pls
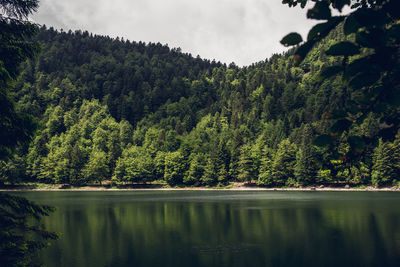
(135, 112)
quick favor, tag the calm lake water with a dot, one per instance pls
(214, 228)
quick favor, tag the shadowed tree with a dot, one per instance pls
(21, 236)
(14, 30)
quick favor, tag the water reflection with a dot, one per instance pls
(223, 228)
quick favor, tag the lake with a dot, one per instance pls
(222, 228)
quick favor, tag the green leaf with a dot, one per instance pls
(321, 30)
(343, 49)
(323, 140)
(371, 40)
(331, 71)
(364, 80)
(341, 126)
(320, 11)
(355, 67)
(318, 30)
(291, 39)
(368, 17)
(303, 50)
(362, 65)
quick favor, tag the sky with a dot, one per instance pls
(239, 31)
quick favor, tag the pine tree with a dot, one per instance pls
(282, 171)
(210, 175)
(265, 176)
(247, 170)
(383, 170)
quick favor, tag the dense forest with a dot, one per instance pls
(134, 112)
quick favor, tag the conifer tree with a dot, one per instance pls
(282, 171)
(210, 175)
(265, 176)
(247, 170)
(383, 170)
(305, 169)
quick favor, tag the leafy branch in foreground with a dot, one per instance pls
(369, 68)
(21, 233)
(15, 29)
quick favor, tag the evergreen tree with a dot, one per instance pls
(247, 170)
(265, 176)
(282, 171)
(305, 169)
(383, 171)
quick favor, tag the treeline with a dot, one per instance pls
(136, 112)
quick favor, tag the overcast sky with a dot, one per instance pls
(240, 31)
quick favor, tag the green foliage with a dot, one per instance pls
(136, 112)
(175, 167)
(135, 165)
(386, 169)
(21, 233)
(247, 168)
(292, 39)
(305, 169)
(324, 176)
(196, 170)
(210, 175)
(370, 60)
(282, 170)
(15, 128)
(96, 169)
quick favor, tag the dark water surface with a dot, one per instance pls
(214, 228)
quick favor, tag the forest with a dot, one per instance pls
(133, 112)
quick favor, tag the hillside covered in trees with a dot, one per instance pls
(110, 109)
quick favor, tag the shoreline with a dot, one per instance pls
(233, 187)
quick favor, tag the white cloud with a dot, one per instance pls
(237, 31)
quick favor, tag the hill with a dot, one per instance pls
(135, 112)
